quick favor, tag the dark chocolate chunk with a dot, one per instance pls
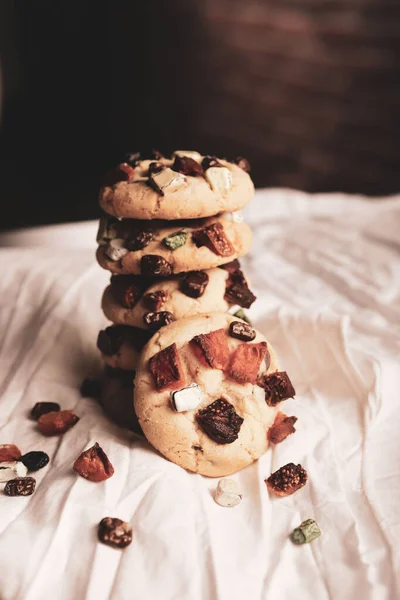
(237, 291)
(153, 301)
(156, 320)
(214, 237)
(220, 421)
(277, 386)
(155, 265)
(187, 166)
(155, 167)
(242, 331)
(139, 239)
(194, 284)
(231, 267)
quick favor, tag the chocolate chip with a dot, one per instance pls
(139, 239)
(220, 421)
(277, 386)
(237, 291)
(114, 532)
(153, 264)
(35, 460)
(231, 267)
(41, 408)
(153, 301)
(187, 166)
(20, 486)
(194, 284)
(90, 388)
(210, 161)
(156, 320)
(243, 163)
(110, 340)
(287, 480)
(242, 331)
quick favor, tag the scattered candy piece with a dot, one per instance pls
(282, 427)
(9, 470)
(93, 464)
(166, 368)
(228, 493)
(187, 398)
(115, 250)
(55, 423)
(246, 361)
(35, 460)
(214, 237)
(306, 532)
(114, 532)
(155, 265)
(194, 284)
(242, 331)
(277, 386)
(212, 349)
(287, 480)
(176, 240)
(167, 180)
(41, 408)
(219, 178)
(20, 486)
(9, 452)
(220, 421)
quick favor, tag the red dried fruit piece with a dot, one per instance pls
(128, 289)
(277, 386)
(41, 408)
(237, 291)
(156, 320)
(281, 428)
(54, 423)
(93, 464)
(246, 360)
(123, 172)
(154, 300)
(166, 368)
(231, 267)
(214, 237)
(20, 486)
(9, 453)
(243, 163)
(220, 421)
(187, 166)
(194, 284)
(139, 238)
(212, 349)
(155, 265)
(287, 480)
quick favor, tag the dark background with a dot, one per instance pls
(307, 90)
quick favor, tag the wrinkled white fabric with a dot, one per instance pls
(326, 270)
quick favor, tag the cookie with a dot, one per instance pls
(120, 346)
(181, 187)
(116, 398)
(198, 394)
(127, 302)
(156, 251)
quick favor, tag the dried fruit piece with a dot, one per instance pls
(246, 361)
(187, 398)
(281, 428)
(187, 166)
(306, 532)
(166, 180)
(20, 486)
(128, 289)
(155, 265)
(90, 388)
(240, 314)
(176, 240)
(123, 172)
(277, 386)
(194, 284)
(114, 532)
(139, 238)
(214, 237)
(35, 460)
(242, 331)
(287, 480)
(237, 291)
(166, 368)
(9, 452)
(243, 163)
(154, 300)
(231, 267)
(228, 493)
(212, 349)
(9, 470)
(156, 320)
(220, 421)
(210, 161)
(93, 464)
(54, 423)
(110, 340)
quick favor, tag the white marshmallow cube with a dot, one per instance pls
(9, 470)
(168, 180)
(188, 398)
(227, 493)
(115, 249)
(219, 178)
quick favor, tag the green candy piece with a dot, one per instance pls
(176, 240)
(240, 314)
(306, 532)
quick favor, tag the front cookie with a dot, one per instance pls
(199, 393)
(157, 250)
(187, 186)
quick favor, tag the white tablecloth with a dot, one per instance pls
(326, 271)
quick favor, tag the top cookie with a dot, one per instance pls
(186, 186)
(206, 393)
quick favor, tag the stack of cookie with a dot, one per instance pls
(171, 236)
